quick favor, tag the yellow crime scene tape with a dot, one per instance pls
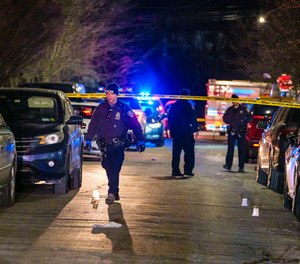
(284, 102)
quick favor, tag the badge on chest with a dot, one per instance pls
(118, 115)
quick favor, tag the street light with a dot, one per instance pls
(261, 19)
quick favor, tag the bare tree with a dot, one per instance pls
(26, 27)
(87, 38)
(272, 47)
(98, 40)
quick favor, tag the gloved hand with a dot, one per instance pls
(88, 145)
(141, 146)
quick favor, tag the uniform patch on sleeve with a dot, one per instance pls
(130, 113)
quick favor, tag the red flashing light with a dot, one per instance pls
(285, 82)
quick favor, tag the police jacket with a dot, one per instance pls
(182, 119)
(236, 118)
(110, 122)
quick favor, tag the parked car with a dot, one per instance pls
(85, 109)
(137, 109)
(253, 134)
(272, 146)
(8, 165)
(49, 140)
(291, 190)
(66, 87)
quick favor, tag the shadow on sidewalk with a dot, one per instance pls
(118, 235)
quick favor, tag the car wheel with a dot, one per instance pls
(9, 191)
(287, 200)
(297, 203)
(76, 177)
(261, 176)
(63, 186)
(275, 178)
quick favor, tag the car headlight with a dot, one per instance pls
(52, 138)
(155, 125)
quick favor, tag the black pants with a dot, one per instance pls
(187, 144)
(241, 143)
(112, 162)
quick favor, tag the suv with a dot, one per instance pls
(272, 146)
(8, 165)
(253, 134)
(49, 140)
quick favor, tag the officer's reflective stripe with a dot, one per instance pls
(285, 102)
(200, 119)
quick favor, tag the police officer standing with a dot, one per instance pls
(183, 124)
(236, 117)
(109, 125)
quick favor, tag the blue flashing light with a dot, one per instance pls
(145, 94)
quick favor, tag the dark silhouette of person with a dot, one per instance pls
(183, 124)
(236, 117)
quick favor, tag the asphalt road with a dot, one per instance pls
(158, 219)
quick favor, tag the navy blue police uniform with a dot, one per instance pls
(109, 124)
(236, 119)
(182, 122)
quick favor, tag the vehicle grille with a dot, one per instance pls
(25, 144)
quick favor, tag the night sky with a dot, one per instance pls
(172, 67)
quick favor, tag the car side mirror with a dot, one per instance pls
(75, 120)
(262, 124)
(292, 139)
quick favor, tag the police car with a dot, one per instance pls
(156, 118)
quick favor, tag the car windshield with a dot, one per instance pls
(132, 102)
(29, 109)
(263, 110)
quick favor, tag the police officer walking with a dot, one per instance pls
(109, 125)
(183, 124)
(236, 117)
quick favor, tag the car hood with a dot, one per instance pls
(22, 130)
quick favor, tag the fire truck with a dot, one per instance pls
(214, 110)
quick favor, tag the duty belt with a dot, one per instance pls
(233, 131)
(115, 141)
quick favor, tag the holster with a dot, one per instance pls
(102, 146)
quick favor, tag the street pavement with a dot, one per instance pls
(158, 219)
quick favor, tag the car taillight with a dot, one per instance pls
(86, 112)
